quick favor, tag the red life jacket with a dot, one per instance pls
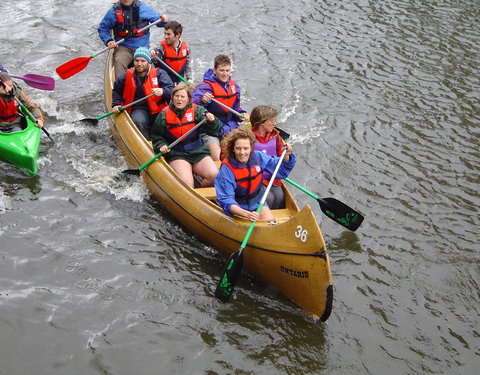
(176, 127)
(249, 181)
(123, 29)
(155, 103)
(8, 110)
(176, 61)
(227, 98)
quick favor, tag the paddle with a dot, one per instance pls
(283, 133)
(20, 104)
(335, 210)
(38, 81)
(76, 65)
(137, 171)
(234, 265)
(94, 121)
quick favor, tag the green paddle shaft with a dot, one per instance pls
(171, 69)
(262, 201)
(335, 209)
(301, 188)
(235, 262)
(143, 166)
(121, 109)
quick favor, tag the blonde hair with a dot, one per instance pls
(260, 114)
(228, 142)
(183, 86)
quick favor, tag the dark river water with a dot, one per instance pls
(382, 101)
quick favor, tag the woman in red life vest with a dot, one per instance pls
(239, 181)
(10, 118)
(268, 140)
(190, 155)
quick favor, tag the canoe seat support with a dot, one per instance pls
(207, 192)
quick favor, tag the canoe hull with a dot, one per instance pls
(21, 148)
(289, 254)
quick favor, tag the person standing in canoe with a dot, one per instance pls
(269, 141)
(190, 155)
(217, 83)
(174, 52)
(11, 119)
(239, 181)
(124, 18)
(138, 82)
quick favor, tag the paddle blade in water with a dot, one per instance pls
(230, 276)
(72, 67)
(37, 81)
(341, 213)
(90, 121)
(131, 172)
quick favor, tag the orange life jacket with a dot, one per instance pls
(248, 179)
(228, 98)
(155, 103)
(177, 61)
(176, 127)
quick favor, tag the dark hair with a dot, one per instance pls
(260, 114)
(221, 60)
(228, 142)
(174, 26)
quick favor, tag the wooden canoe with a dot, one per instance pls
(21, 147)
(289, 254)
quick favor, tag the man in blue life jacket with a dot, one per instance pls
(124, 18)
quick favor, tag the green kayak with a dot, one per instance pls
(21, 148)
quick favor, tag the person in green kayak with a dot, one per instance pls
(11, 119)
(191, 155)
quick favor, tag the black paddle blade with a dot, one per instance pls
(127, 173)
(230, 276)
(341, 213)
(283, 134)
(91, 121)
